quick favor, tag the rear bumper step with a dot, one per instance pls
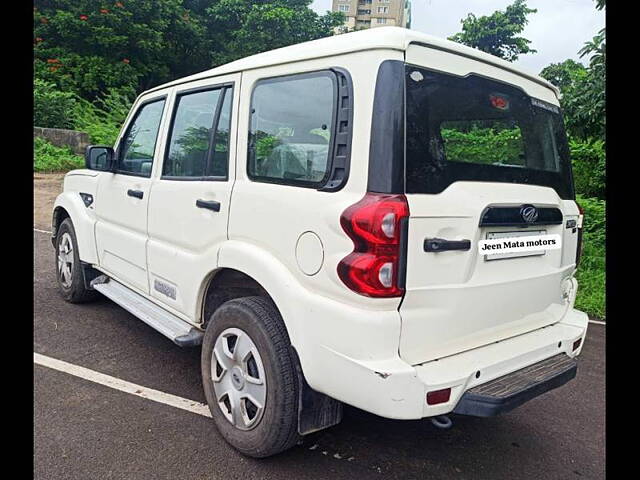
(510, 391)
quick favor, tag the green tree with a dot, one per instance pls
(568, 76)
(587, 103)
(564, 75)
(497, 33)
(238, 28)
(89, 46)
(583, 89)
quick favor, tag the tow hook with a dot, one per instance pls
(442, 421)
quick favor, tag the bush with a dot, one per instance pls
(49, 158)
(87, 76)
(103, 119)
(588, 159)
(591, 271)
(51, 107)
(594, 219)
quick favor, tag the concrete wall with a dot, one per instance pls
(60, 137)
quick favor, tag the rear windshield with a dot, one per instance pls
(475, 129)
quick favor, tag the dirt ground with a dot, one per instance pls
(46, 187)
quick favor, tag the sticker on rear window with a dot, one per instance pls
(546, 106)
(520, 244)
(416, 76)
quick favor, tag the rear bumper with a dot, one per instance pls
(392, 388)
(506, 393)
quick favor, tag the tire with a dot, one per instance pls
(274, 428)
(69, 274)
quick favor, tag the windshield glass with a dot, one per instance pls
(475, 129)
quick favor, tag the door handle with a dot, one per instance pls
(208, 204)
(135, 193)
(440, 244)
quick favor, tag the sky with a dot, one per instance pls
(557, 31)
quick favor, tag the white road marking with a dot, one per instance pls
(597, 322)
(122, 385)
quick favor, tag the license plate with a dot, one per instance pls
(527, 233)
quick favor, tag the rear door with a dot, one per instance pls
(486, 158)
(190, 198)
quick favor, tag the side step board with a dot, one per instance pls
(172, 327)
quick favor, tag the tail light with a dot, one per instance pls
(580, 228)
(374, 226)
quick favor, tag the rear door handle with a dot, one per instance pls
(135, 193)
(440, 244)
(208, 204)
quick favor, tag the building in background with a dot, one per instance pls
(373, 13)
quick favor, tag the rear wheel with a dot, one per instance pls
(68, 267)
(249, 377)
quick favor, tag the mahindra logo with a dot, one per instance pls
(529, 213)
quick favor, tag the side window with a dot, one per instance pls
(291, 129)
(139, 143)
(196, 148)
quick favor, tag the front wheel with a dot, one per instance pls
(69, 274)
(249, 377)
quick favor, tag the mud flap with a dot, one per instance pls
(89, 274)
(316, 411)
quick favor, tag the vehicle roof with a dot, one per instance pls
(394, 38)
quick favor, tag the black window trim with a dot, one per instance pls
(386, 166)
(142, 104)
(224, 87)
(333, 73)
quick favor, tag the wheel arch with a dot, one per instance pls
(263, 273)
(59, 215)
(224, 284)
(316, 411)
(70, 205)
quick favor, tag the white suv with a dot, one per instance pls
(381, 218)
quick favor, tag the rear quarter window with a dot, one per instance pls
(291, 129)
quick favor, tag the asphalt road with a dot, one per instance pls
(86, 430)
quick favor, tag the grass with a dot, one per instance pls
(591, 281)
(591, 271)
(48, 158)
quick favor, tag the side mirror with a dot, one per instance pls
(98, 157)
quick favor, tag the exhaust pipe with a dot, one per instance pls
(442, 421)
